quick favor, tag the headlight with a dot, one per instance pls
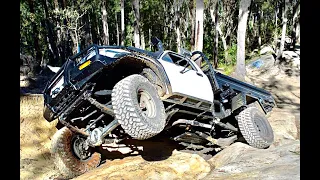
(57, 88)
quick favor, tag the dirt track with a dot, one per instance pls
(35, 136)
(36, 133)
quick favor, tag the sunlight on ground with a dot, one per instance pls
(35, 136)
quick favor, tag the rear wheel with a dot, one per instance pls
(137, 107)
(255, 128)
(70, 155)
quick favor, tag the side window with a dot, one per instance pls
(182, 61)
(167, 58)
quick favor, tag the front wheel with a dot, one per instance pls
(138, 107)
(69, 154)
(255, 128)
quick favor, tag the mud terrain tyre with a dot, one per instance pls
(154, 79)
(63, 153)
(137, 107)
(255, 128)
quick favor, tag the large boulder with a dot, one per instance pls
(178, 166)
(263, 62)
(262, 67)
(266, 49)
(240, 161)
(285, 125)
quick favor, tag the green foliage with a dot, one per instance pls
(157, 18)
(232, 55)
(227, 69)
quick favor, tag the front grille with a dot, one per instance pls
(65, 101)
(70, 100)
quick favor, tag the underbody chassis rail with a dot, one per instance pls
(86, 96)
(96, 136)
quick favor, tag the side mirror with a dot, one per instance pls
(157, 43)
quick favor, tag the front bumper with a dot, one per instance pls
(48, 114)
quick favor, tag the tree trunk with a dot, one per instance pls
(122, 22)
(199, 25)
(241, 37)
(177, 23)
(150, 45)
(192, 36)
(52, 44)
(260, 17)
(284, 27)
(199, 28)
(178, 38)
(298, 31)
(136, 9)
(143, 44)
(276, 26)
(35, 34)
(59, 33)
(166, 22)
(105, 22)
(117, 28)
(296, 12)
(74, 38)
(223, 39)
(98, 32)
(93, 28)
(215, 52)
(87, 29)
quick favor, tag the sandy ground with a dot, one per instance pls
(36, 133)
(35, 136)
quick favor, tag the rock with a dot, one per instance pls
(292, 58)
(284, 126)
(246, 162)
(228, 155)
(24, 70)
(290, 55)
(25, 83)
(178, 166)
(248, 80)
(263, 62)
(266, 49)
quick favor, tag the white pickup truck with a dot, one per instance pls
(106, 94)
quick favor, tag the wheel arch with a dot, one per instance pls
(132, 64)
(244, 100)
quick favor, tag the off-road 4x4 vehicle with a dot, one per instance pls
(105, 94)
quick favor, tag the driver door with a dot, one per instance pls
(186, 77)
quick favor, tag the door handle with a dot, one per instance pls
(182, 71)
(199, 74)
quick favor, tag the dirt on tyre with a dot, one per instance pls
(65, 150)
(255, 128)
(138, 107)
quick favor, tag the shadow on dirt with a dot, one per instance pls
(157, 148)
(154, 149)
(283, 93)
